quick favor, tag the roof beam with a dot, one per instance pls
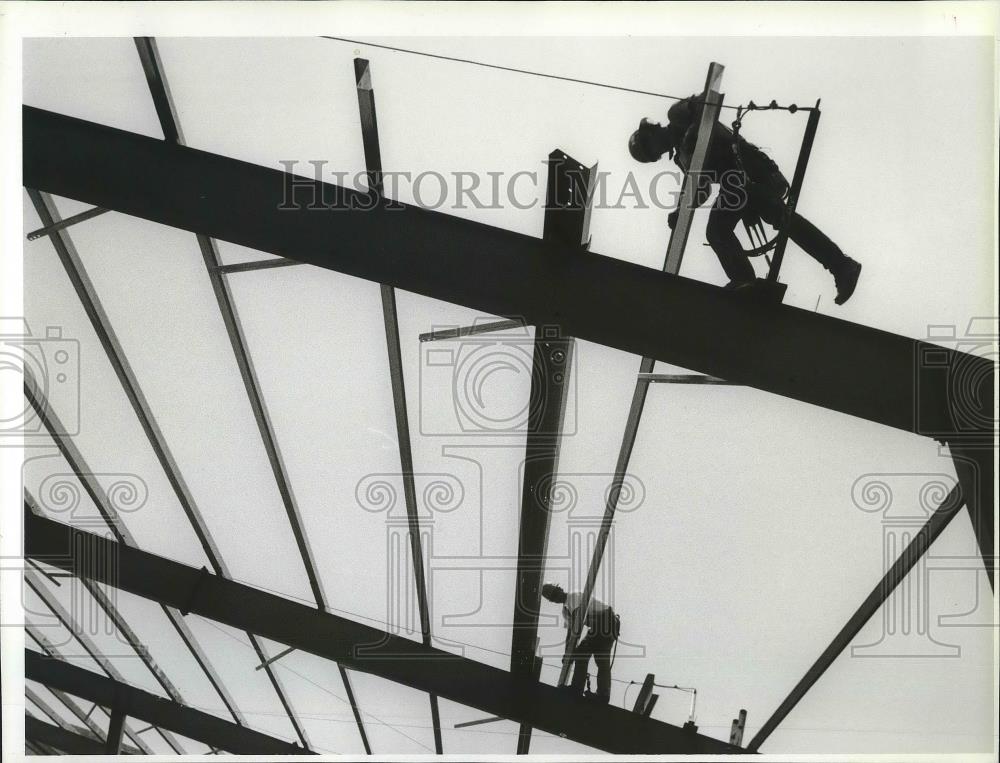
(92, 486)
(776, 348)
(51, 650)
(42, 705)
(162, 713)
(65, 740)
(89, 645)
(170, 124)
(91, 302)
(390, 319)
(922, 541)
(166, 112)
(359, 646)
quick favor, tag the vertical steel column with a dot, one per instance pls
(693, 176)
(112, 745)
(390, 318)
(97, 494)
(934, 526)
(672, 264)
(569, 195)
(974, 467)
(793, 193)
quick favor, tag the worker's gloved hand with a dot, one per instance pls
(672, 219)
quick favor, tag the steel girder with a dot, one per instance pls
(129, 701)
(361, 647)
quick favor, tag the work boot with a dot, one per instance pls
(846, 279)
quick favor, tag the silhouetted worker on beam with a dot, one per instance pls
(751, 188)
(602, 626)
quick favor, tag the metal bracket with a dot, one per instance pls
(189, 603)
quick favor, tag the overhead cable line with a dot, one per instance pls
(513, 69)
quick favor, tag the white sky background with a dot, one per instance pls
(748, 553)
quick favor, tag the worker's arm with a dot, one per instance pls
(703, 183)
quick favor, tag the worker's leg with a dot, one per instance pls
(602, 656)
(815, 243)
(803, 233)
(581, 661)
(721, 236)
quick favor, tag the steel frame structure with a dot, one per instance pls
(170, 125)
(390, 319)
(672, 264)
(74, 268)
(92, 651)
(128, 701)
(505, 274)
(569, 196)
(67, 740)
(86, 719)
(361, 647)
(796, 353)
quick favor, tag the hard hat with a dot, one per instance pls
(553, 593)
(641, 144)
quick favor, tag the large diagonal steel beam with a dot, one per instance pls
(361, 647)
(65, 699)
(797, 353)
(163, 713)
